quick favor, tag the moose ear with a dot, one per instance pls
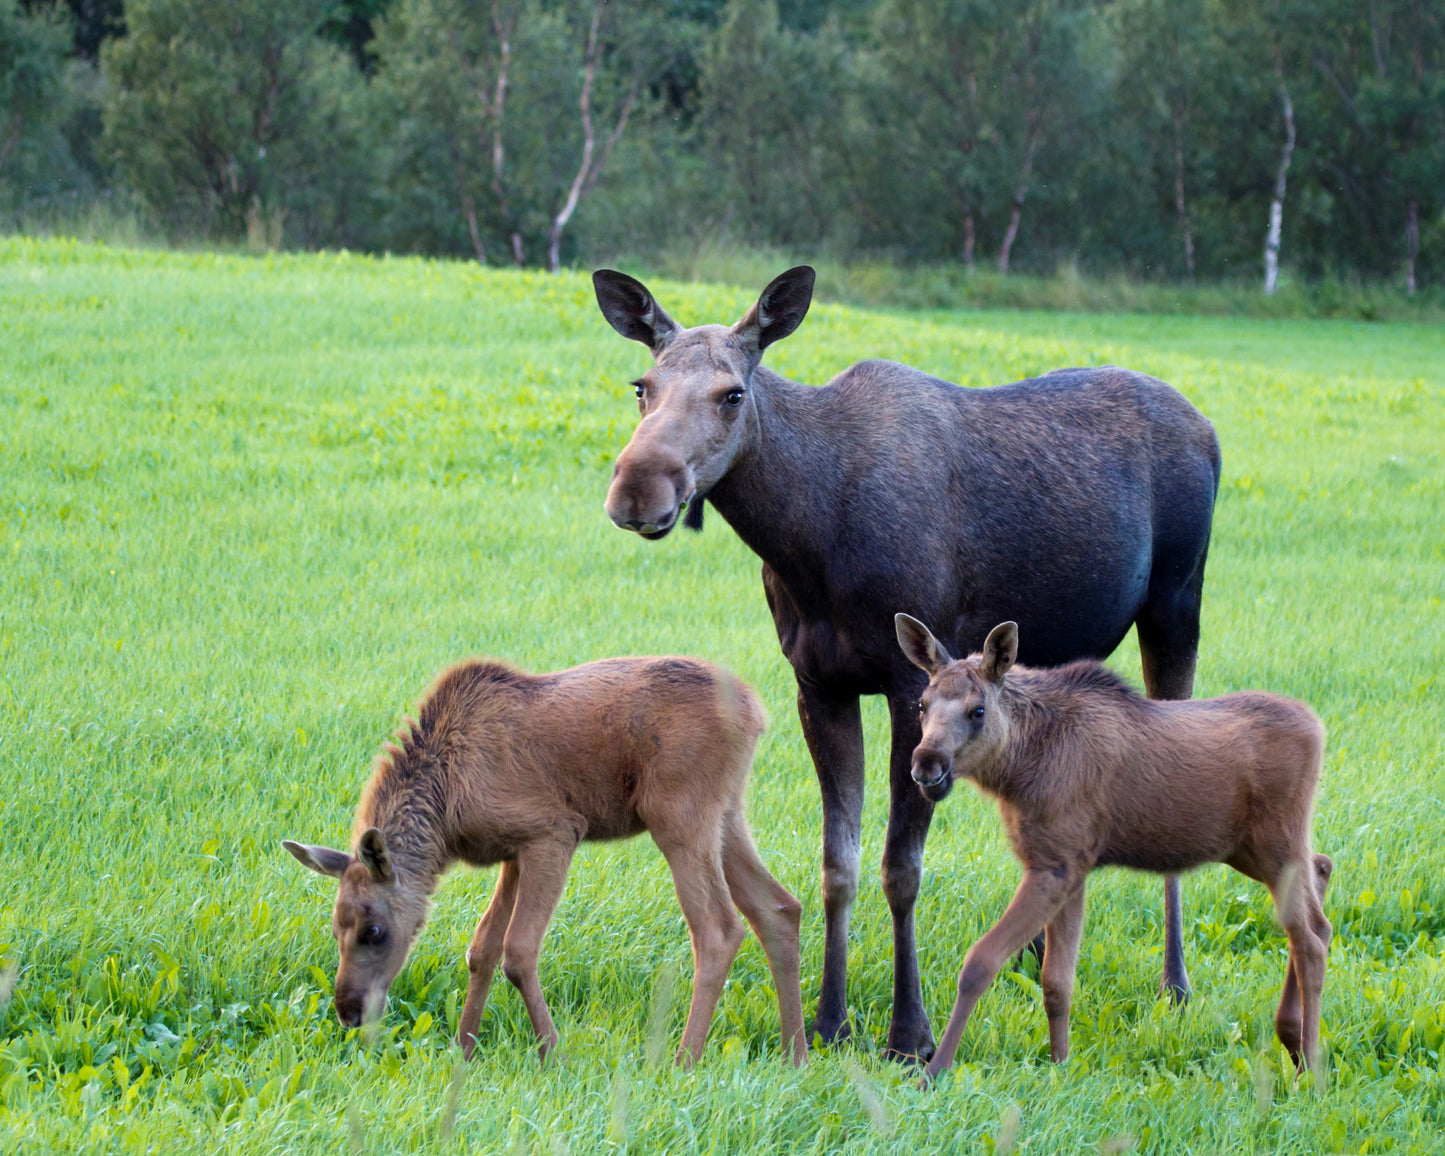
(322, 860)
(630, 309)
(780, 309)
(919, 645)
(1000, 649)
(371, 850)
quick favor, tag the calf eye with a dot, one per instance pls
(922, 709)
(976, 713)
(734, 398)
(371, 935)
(639, 389)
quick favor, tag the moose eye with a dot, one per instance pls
(371, 935)
(733, 398)
(639, 388)
(976, 713)
(922, 709)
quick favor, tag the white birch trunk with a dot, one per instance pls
(592, 163)
(1276, 204)
(1179, 203)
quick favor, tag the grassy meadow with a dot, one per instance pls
(249, 506)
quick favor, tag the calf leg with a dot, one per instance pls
(541, 875)
(1168, 630)
(909, 815)
(1037, 901)
(697, 873)
(774, 916)
(833, 728)
(1061, 960)
(1291, 1015)
(484, 955)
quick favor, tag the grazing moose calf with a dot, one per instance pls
(511, 768)
(1088, 772)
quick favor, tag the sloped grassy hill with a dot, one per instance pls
(248, 507)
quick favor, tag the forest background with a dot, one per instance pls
(1157, 141)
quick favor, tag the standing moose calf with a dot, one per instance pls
(511, 768)
(1077, 503)
(1089, 773)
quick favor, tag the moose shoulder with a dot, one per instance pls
(1077, 504)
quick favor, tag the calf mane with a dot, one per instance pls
(406, 796)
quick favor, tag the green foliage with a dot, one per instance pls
(35, 101)
(1141, 138)
(248, 507)
(235, 120)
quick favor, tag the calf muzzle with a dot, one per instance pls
(933, 772)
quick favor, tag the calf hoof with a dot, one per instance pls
(909, 1045)
(826, 1033)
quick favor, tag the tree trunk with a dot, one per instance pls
(11, 137)
(1018, 203)
(1276, 204)
(469, 207)
(968, 236)
(1179, 204)
(503, 30)
(590, 166)
(1033, 117)
(1412, 243)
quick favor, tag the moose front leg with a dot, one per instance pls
(1040, 896)
(833, 728)
(484, 954)
(909, 815)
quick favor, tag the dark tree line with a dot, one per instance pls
(1166, 139)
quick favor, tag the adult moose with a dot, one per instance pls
(1076, 504)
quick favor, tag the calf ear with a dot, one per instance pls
(322, 860)
(371, 850)
(630, 309)
(919, 645)
(780, 309)
(1000, 649)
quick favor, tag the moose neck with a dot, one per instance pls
(405, 800)
(780, 481)
(1013, 774)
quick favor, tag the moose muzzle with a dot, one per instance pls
(649, 487)
(933, 772)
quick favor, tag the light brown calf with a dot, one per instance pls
(1088, 772)
(511, 768)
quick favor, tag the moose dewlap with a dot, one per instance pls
(513, 768)
(1088, 773)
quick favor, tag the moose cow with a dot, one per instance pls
(1077, 504)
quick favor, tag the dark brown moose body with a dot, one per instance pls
(1078, 503)
(512, 768)
(1089, 773)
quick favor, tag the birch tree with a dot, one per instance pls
(592, 159)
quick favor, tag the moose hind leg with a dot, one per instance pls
(715, 929)
(909, 815)
(1168, 630)
(833, 728)
(774, 915)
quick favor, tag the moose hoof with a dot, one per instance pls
(826, 1034)
(1175, 988)
(910, 1047)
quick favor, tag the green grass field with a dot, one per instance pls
(248, 507)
